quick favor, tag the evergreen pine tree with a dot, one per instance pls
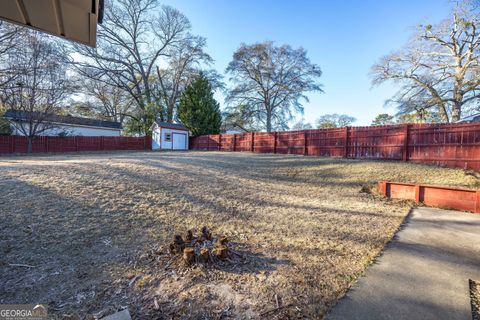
(198, 110)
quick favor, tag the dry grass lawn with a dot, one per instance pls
(86, 233)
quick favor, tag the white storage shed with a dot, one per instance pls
(169, 136)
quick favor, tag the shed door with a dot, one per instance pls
(179, 141)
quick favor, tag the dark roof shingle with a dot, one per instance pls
(20, 115)
(171, 125)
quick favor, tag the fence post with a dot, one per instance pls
(304, 143)
(252, 146)
(405, 142)
(220, 142)
(102, 143)
(477, 202)
(208, 142)
(347, 133)
(12, 144)
(275, 142)
(234, 142)
(76, 143)
(148, 142)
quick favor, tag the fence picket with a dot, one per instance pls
(452, 145)
(18, 144)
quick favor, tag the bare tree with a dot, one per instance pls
(40, 86)
(5, 127)
(383, 119)
(133, 38)
(241, 117)
(439, 69)
(9, 36)
(334, 121)
(102, 100)
(185, 63)
(302, 125)
(270, 82)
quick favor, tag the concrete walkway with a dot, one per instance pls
(423, 273)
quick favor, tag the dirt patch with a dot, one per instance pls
(89, 234)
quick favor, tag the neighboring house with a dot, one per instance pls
(231, 128)
(472, 118)
(62, 125)
(169, 136)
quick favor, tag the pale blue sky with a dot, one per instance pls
(343, 37)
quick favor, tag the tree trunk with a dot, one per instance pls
(29, 144)
(144, 120)
(443, 112)
(457, 92)
(269, 122)
(456, 111)
(170, 114)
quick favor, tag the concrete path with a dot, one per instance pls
(423, 273)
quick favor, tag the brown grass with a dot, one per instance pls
(91, 225)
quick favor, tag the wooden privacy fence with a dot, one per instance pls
(438, 196)
(18, 144)
(453, 145)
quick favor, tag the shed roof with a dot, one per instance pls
(170, 125)
(19, 115)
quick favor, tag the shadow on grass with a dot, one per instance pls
(71, 248)
(86, 241)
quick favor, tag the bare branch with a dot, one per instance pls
(270, 82)
(439, 68)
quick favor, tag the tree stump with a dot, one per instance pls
(189, 235)
(178, 244)
(206, 235)
(204, 255)
(223, 240)
(189, 255)
(172, 248)
(221, 252)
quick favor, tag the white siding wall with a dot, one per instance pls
(166, 145)
(156, 138)
(73, 130)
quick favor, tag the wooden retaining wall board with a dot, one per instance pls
(437, 196)
(450, 145)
